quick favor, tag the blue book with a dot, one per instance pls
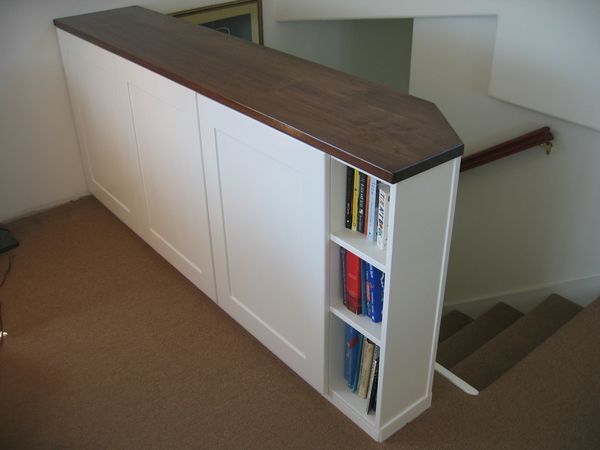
(364, 276)
(352, 356)
(376, 284)
(356, 367)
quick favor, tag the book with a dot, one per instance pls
(353, 349)
(353, 299)
(343, 271)
(362, 191)
(372, 390)
(372, 209)
(376, 288)
(355, 187)
(364, 276)
(349, 195)
(367, 199)
(383, 207)
(356, 367)
(366, 364)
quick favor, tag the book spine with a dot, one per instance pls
(369, 289)
(350, 358)
(382, 215)
(367, 199)
(363, 288)
(365, 368)
(376, 290)
(372, 392)
(349, 195)
(355, 187)
(343, 271)
(353, 276)
(372, 210)
(357, 353)
(362, 190)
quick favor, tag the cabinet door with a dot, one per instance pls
(267, 196)
(165, 119)
(101, 109)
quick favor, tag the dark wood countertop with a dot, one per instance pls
(390, 135)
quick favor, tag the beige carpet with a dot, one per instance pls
(110, 347)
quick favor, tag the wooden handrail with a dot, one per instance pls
(518, 144)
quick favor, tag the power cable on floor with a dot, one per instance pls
(4, 277)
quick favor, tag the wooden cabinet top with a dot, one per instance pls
(388, 134)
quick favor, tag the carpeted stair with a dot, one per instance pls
(452, 322)
(481, 351)
(469, 338)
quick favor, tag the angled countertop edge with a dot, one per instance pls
(390, 175)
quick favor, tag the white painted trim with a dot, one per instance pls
(582, 291)
(359, 420)
(409, 414)
(455, 380)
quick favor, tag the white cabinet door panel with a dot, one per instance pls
(101, 109)
(267, 196)
(170, 156)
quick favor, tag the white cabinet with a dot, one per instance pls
(100, 107)
(267, 196)
(255, 218)
(140, 140)
(170, 157)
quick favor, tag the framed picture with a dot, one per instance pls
(242, 19)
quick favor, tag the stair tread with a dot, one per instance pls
(451, 323)
(496, 357)
(474, 335)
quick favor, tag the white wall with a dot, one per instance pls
(522, 222)
(377, 50)
(545, 54)
(39, 158)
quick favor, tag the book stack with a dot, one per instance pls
(361, 366)
(362, 286)
(367, 206)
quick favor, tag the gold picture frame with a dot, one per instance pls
(242, 18)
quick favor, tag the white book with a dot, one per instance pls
(366, 363)
(383, 212)
(372, 213)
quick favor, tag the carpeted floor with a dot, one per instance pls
(110, 347)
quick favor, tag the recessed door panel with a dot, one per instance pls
(170, 155)
(267, 192)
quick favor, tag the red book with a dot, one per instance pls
(353, 300)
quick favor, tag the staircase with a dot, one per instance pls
(480, 351)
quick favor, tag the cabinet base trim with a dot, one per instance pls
(404, 417)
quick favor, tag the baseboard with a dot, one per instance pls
(406, 416)
(45, 207)
(582, 291)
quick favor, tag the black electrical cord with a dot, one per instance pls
(4, 277)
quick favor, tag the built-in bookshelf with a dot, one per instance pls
(367, 250)
(413, 262)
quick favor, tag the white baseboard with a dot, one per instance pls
(582, 291)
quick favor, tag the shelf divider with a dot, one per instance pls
(362, 324)
(362, 247)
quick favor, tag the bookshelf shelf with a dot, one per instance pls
(358, 244)
(355, 404)
(360, 323)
